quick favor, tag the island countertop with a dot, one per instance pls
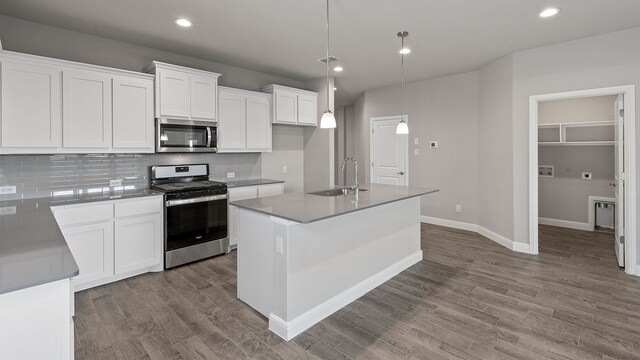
(33, 250)
(308, 208)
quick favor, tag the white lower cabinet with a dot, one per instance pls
(136, 243)
(92, 248)
(112, 240)
(245, 193)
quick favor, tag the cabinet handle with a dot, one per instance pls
(400, 173)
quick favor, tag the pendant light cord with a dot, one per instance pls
(402, 79)
(328, 101)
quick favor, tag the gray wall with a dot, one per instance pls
(594, 62)
(443, 109)
(589, 109)
(48, 175)
(33, 38)
(495, 169)
(288, 150)
(319, 143)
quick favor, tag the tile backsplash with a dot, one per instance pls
(56, 175)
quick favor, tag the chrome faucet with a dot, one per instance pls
(355, 180)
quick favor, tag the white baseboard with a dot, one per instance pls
(564, 223)
(508, 243)
(288, 330)
(449, 223)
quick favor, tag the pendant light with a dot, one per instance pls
(328, 121)
(402, 128)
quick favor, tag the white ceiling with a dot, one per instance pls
(286, 37)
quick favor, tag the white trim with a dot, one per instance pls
(628, 91)
(289, 330)
(565, 224)
(406, 153)
(592, 212)
(508, 243)
(449, 223)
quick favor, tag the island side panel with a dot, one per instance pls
(327, 264)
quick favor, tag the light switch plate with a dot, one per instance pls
(433, 144)
(279, 244)
(284, 169)
(6, 190)
(231, 175)
(416, 141)
(416, 152)
(458, 208)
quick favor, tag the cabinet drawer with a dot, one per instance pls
(139, 207)
(270, 190)
(243, 193)
(81, 214)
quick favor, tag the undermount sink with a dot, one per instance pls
(335, 192)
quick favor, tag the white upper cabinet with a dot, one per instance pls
(244, 121)
(132, 113)
(258, 123)
(184, 93)
(293, 106)
(232, 124)
(31, 106)
(86, 109)
(173, 93)
(52, 106)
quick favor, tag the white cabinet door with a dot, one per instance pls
(308, 109)
(237, 194)
(31, 112)
(203, 97)
(258, 123)
(138, 243)
(92, 248)
(173, 93)
(232, 125)
(286, 107)
(133, 114)
(86, 109)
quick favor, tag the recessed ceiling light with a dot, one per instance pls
(338, 68)
(405, 51)
(184, 22)
(549, 12)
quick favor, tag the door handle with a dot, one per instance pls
(400, 173)
(612, 184)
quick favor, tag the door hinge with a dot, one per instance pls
(372, 164)
(621, 176)
(621, 113)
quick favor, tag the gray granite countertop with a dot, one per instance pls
(307, 208)
(32, 248)
(251, 182)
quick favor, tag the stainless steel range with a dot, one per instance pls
(195, 215)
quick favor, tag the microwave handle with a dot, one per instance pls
(208, 136)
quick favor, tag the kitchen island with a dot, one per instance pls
(301, 257)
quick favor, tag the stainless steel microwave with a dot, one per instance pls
(184, 136)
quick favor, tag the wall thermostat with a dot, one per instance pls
(433, 144)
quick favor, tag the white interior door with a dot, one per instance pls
(389, 162)
(619, 179)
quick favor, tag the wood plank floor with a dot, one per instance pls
(468, 299)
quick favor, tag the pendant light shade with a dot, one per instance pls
(328, 121)
(402, 128)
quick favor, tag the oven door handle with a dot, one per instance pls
(195, 200)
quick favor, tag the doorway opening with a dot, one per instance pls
(582, 167)
(388, 151)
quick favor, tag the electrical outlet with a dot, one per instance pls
(231, 175)
(416, 141)
(458, 208)
(587, 175)
(284, 169)
(279, 244)
(115, 183)
(6, 190)
(433, 144)
(416, 152)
